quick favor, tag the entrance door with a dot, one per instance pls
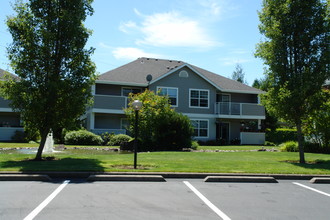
(223, 131)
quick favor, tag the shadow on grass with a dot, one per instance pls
(317, 164)
(65, 164)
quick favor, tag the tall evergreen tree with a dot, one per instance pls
(239, 74)
(48, 55)
(296, 50)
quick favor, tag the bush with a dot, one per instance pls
(289, 146)
(19, 137)
(281, 135)
(194, 145)
(82, 137)
(316, 148)
(106, 137)
(116, 140)
(268, 143)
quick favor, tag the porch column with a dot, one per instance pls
(92, 121)
(259, 124)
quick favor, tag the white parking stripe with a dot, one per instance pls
(207, 202)
(310, 188)
(36, 211)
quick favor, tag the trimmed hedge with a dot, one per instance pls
(281, 135)
(116, 140)
(82, 137)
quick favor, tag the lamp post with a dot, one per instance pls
(137, 105)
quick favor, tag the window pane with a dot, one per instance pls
(194, 123)
(194, 94)
(173, 101)
(194, 102)
(172, 92)
(203, 103)
(204, 94)
(126, 92)
(203, 132)
(203, 124)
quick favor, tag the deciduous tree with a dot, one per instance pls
(296, 51)
(48, 55)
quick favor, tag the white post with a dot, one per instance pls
(92, 121)
(259, 123)
(93, 90)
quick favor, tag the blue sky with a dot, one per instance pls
(212, 34)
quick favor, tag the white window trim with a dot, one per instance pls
(177, 93)
(208, 127)
(122, 89)
(208, 98)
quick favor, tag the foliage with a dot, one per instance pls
(316, 148)
(19, 137)
(116, 140)
(281, 135)
(194, 145)
(317, 125)
(289, 146)
(106, 137)
(239, 74)
(160, 127)
(82, 137)
(296, 51)
(49, 57)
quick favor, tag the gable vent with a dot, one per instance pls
(183, 74)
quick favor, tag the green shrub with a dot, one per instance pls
(268, 143)
(281, 135)
(82, 137)
(194, 145)
(310, 147)
(289, 146)
(116, 140)
(106, 137)
(19, 137)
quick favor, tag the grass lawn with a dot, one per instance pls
(219, 162)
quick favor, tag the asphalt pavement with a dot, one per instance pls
(175, 198)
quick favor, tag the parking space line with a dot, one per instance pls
(310, 188)
(207, 202)
(36, 211)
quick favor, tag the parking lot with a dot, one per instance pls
(173, 199)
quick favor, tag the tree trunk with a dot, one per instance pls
(44, 134)
(300, 142)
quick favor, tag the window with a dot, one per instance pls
(172, 94)
(127, 91)
(199, 98)
(201, 128)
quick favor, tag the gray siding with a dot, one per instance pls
(106, 89)
(109, 102)
(107, 121)
(10, 119)
(194, 81)
(4, 103)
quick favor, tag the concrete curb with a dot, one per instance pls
(144, 178)
(25, 177)
(240, 179)
(320, 180)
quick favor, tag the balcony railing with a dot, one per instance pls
(240, 109)
(110, 102)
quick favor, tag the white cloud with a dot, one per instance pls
(171, 29)
(131, 53)
(230, 61)
(126, 26)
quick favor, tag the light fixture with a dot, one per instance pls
(137, 105)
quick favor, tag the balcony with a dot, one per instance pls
(240, 110)
(4, 104)
(110, 102)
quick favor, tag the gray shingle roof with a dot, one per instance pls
(136, 71)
